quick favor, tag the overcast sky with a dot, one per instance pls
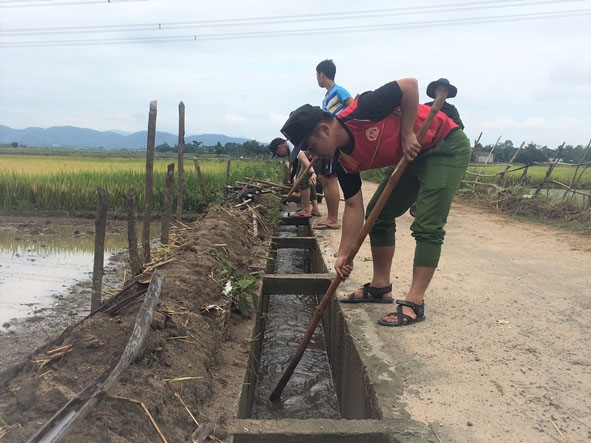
(522, 68)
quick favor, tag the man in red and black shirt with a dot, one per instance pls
(375, 131)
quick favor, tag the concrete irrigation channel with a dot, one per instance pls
(342, 390)
(337, 364)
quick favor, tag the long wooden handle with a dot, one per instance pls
(299, 179)
(392, 182)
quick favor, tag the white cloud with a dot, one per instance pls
(528, 79)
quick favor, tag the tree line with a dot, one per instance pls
(249, 149)
(532, 153)
(503, 152)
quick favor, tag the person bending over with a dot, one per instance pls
(376, 131)
(307, 187)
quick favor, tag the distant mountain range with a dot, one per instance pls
(73, 137)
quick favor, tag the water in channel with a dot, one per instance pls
(310, 392)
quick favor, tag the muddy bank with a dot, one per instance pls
(189, 338)
(485, 366)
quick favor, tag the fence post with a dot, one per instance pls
(100, 224)
(134, 258)
(149, 181)
(476, 143)
(550, 168)
(200, 177)
(486, 161)
(574, 179)
(167, 205)
(502, 174)
(227, 177)
(181, 161)
(524, 176)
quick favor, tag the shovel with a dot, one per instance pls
(353, 250)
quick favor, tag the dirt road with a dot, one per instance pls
(504, 353)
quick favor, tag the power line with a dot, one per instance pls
(25, 3)
(274, 20)
(299, 32)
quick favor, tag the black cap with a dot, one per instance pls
(300, 124)
(275, 144)
(443, 82)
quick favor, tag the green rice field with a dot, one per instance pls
(69, 183)
(533, 176)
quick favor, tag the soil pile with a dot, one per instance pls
(189, 371)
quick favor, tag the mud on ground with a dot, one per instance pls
(195, 334)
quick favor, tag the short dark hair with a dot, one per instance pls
(275, 143)
(328, 68)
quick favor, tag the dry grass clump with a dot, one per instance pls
(514, 202)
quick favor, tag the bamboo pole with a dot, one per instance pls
(486, 161)
(181, 161)
(149, 181)
(165, 230)
(550, 168)
(392, 182)
(100, 224)
(502, 174)
(200, 177)
(267, 183)
(574, 179)
(66, 419)
(476, 142)
(227, 177)
(134, 258)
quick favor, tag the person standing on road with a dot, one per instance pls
(335, 100)
(375, 131)
(436, 89)
(280, 147)
(440, 87)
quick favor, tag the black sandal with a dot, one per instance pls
(403, 319)
(370, 295)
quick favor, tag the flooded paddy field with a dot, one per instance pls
(46, 267)
(39, 258)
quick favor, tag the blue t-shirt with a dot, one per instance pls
(334, 100)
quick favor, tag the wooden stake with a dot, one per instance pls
(486, 161)
(200, 177)
(550, 168)
(181, 161)
(227, 177)
(100, 224)
(149, 181)
(165, 230)
(134, 257)
(502, 174)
